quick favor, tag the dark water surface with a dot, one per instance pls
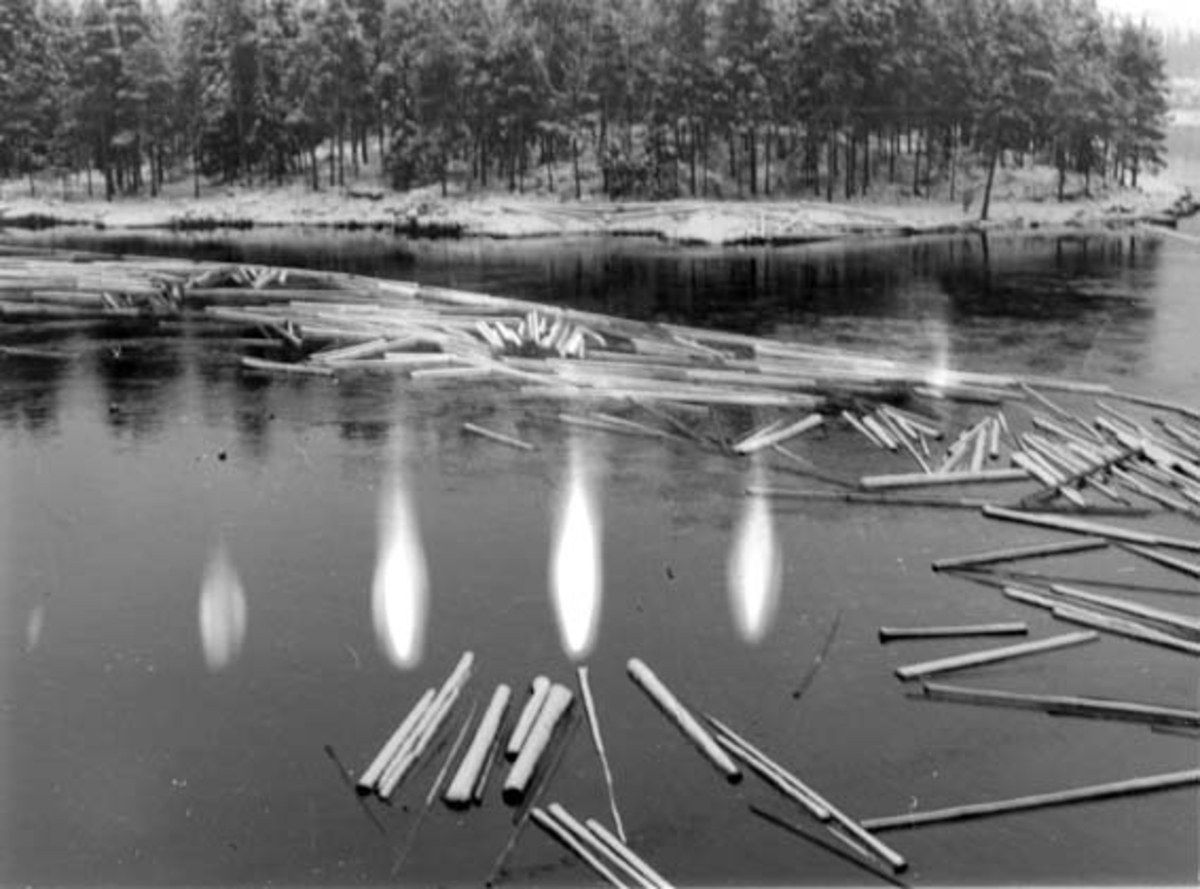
(133, 753)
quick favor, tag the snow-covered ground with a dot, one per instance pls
(1017, 204)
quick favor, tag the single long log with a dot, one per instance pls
(1037, 801)
(777, 436)
(1191, 569)
(1009, 628)
(497, 436)
(1070, 705)
(619, 849)
(1035, 551)
(691, 728)
(924, 480)
(539, 688)
(1092, 529)
(991, 656)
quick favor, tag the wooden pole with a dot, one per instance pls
(462, 788)
(888, 634)
(1037, 801)
(372, 773)
(1036, 551)
(540, 688)
(670, 706)
(558, 702)
(1125, 627)
(589, 706)
(758, 442)
(1064, 705)
(991, 656)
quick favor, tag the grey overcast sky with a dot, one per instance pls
(1183, 15)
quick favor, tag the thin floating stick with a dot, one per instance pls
(1037, 801)
(887, 634)
(285, 367)
(1068, 705)
(991, 656)
(497, 436)
(662, 697)
(589, 706)
(1035, 551)
(1124, 627)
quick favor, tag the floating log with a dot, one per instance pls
(424, 731)
(776, 436)
(1036, 801)
(1012, 628)
(1191, 569)
(770, 771)
(862, 429)
(558, 702)
(1045, 474)
(372, 773)
(1158, 403)
(923, 480)
(286, 367)
(1092, 529)
(540, 687)
(585, 854)
(589, 840)
(813, 801)
(994, 655)
(662, 697)
(877, 429)
(865, 497)
(461, 791)
(1178, 622)
(1067, 705)
(618, 848)
(1035, 551)
(1125, 627)
(497, 436)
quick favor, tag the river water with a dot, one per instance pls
(145, 740)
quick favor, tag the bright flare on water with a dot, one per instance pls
(401, 587)
(575, 580)
(222, 611)
(754, 569)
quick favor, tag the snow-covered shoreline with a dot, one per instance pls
(506, 216)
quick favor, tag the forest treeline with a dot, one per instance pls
(654, 98)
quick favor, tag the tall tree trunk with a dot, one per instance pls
(832, 164)
(752, 146)
(866, 164)
(916, 188)
(767, 161)
(991, 177)
(692, 155)
(575, 167)
(315, 167)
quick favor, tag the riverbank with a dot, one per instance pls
(423, 212)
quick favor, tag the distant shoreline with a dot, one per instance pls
(688, 222)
